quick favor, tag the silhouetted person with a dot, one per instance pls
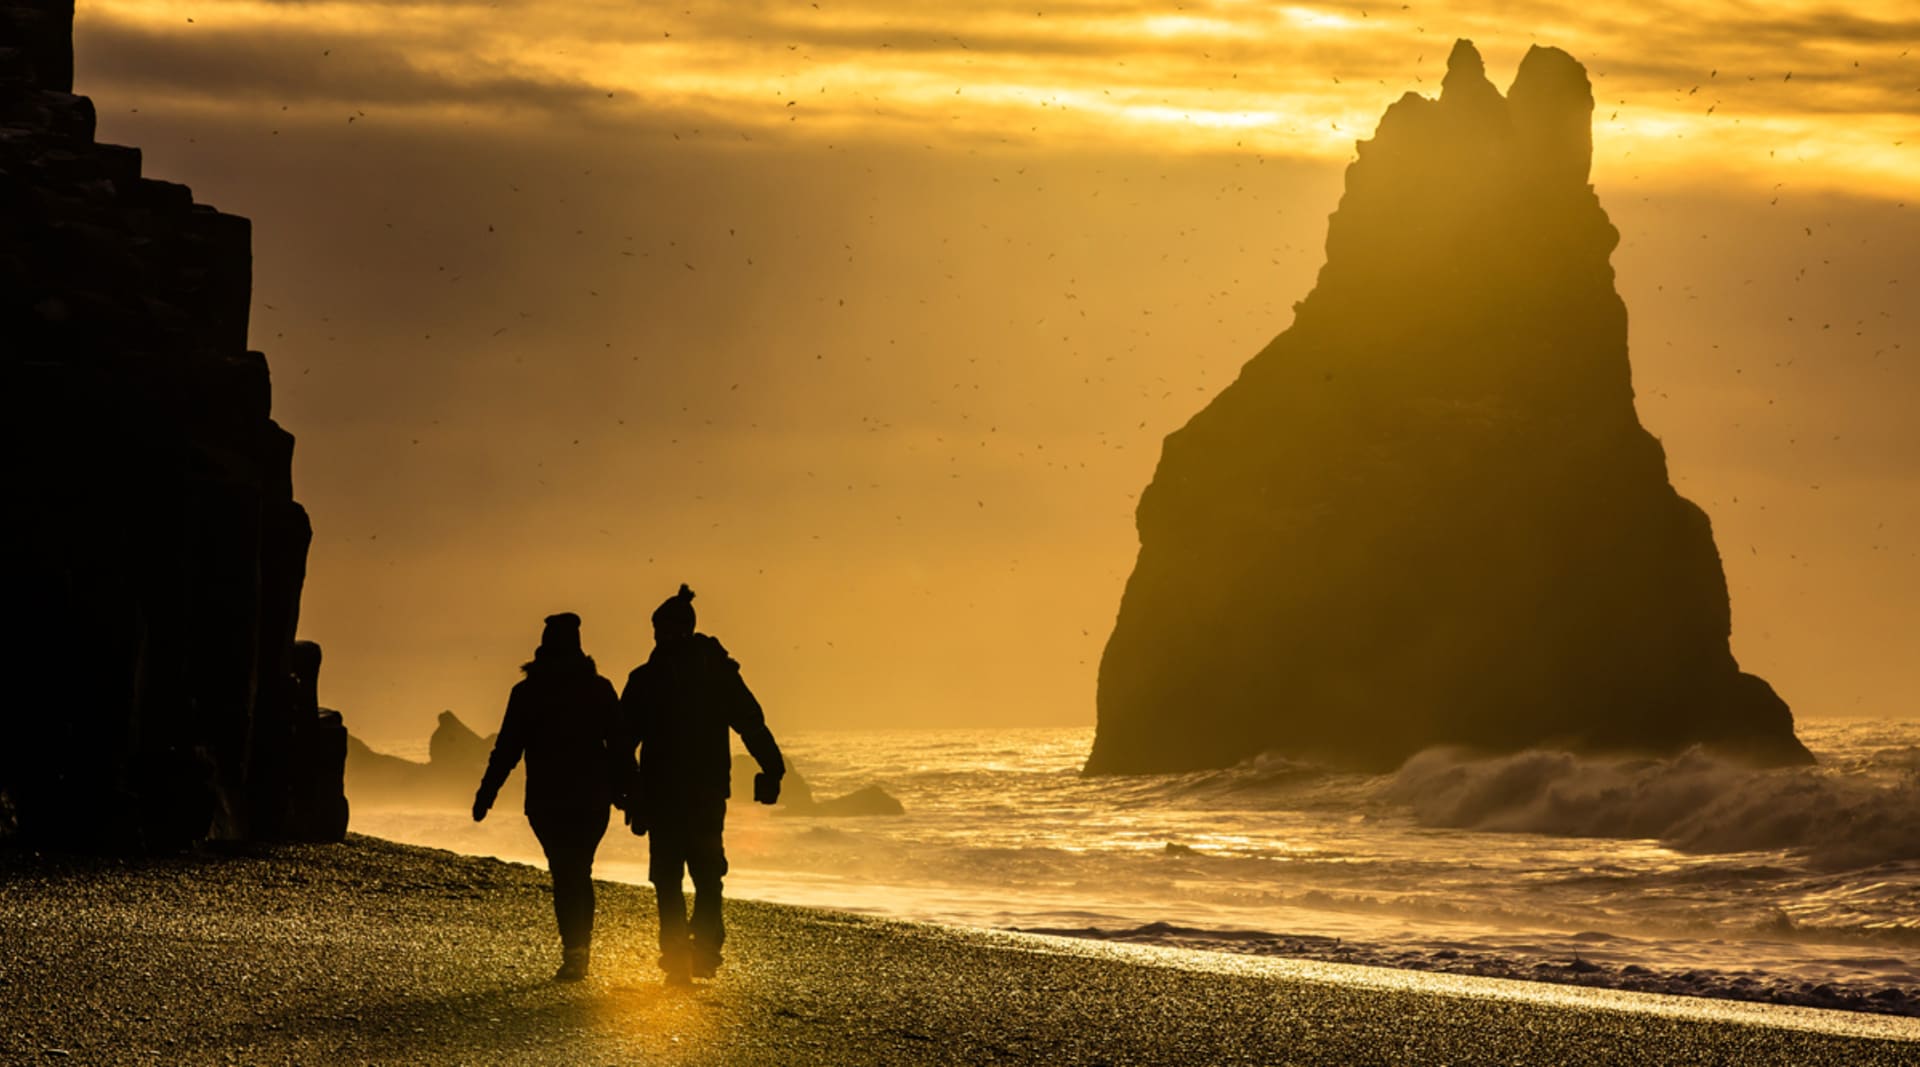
(563, 717)
(678, 707)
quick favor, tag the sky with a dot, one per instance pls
(866, 319)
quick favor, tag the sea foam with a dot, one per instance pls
(1692, 802)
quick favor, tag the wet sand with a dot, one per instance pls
(374, 952)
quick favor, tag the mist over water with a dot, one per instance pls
(1794, 877)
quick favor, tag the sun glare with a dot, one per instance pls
(1192, 26)
(1238, 120)
(1314, 18)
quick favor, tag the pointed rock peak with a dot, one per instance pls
(1465, 58)
(1466, 72)
(450, 727)
(1551, 103)
(1550, 72)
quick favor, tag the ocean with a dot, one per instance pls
(1684, 875)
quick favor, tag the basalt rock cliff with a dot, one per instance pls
(153, 552)
(1427, 513)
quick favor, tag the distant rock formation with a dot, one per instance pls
(154, 552)
(454, 744)
(457, 756)
(796, 795)
(378, 778)
(1427, 513)
(864, 801)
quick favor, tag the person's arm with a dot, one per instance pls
(747, 719)
(620, 764)
(508, 747)
(635, 725)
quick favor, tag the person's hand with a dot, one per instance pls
(766, 788)
(481, 802)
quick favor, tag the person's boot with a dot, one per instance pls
(678, 967)
(573, 964)
(705, 964)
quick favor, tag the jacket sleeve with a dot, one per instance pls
(619, 750)
(747, 720)
(632, 724)
(635, 713)
(507, 748)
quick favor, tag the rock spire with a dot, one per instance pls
(1427, 512)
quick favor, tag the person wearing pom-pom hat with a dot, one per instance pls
(678, 708)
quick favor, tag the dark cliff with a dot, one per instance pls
(154, 554)
(1427, 512)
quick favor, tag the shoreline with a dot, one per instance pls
(1799, 969)
(378, 952)
(1572, 969)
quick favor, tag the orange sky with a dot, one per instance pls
(867, 319)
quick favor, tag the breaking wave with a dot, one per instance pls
(1694, 802)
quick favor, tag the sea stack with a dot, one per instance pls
(1427, 513)
(154, 553)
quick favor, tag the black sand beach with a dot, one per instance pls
(373, 952)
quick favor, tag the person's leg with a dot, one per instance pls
(591, 829)
(666, 861)
(707, 863)
(560, 838)
(552, 838)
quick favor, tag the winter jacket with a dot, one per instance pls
(564, 718)
(678, 707)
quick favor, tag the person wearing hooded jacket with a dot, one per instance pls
(679, 707)
(563, 717)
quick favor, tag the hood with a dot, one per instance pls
(557, 661)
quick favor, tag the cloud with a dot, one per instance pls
(1828, 27)
(242, 67)
(1304, 79)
